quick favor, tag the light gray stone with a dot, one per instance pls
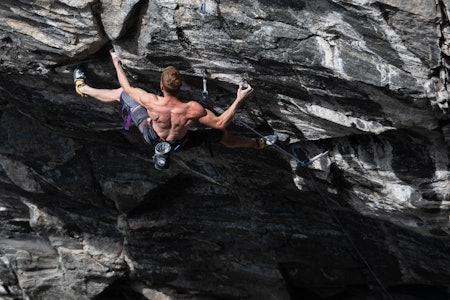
(84, 214)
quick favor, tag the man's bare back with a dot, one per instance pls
(171, 118)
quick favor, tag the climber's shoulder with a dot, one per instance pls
(143, 97)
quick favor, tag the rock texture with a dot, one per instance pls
(84, 214)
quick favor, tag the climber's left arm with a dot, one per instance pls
(222, 121)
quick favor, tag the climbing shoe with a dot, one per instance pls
(268, 140)
(78, 79)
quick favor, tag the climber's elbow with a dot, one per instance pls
(211, 120)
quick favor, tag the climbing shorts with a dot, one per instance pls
(138, 112)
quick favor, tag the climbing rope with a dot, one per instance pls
(322, 195)
(281, 150)
(326, 202)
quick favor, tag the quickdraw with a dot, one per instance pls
(311, 160)
(202, 9)
(205, 88)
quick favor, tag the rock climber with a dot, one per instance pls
(167, 118)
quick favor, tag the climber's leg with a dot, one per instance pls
(105, 95)
(234, 141)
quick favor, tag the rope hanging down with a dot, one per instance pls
(326, 202)
(301, 163)
(323, 196)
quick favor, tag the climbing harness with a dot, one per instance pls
(326, 202)
(205, 88)
(202, 8)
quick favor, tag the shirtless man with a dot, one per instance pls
(167, 118)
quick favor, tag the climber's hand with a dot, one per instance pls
(114, 56)
(243, 91)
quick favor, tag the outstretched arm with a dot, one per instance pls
(133, 92)
(222, 121)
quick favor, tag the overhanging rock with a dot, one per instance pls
(85, 214)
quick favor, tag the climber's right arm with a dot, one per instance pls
(135, 93)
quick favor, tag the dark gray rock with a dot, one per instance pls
(84, 214)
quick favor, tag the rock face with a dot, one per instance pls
(85, 215)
